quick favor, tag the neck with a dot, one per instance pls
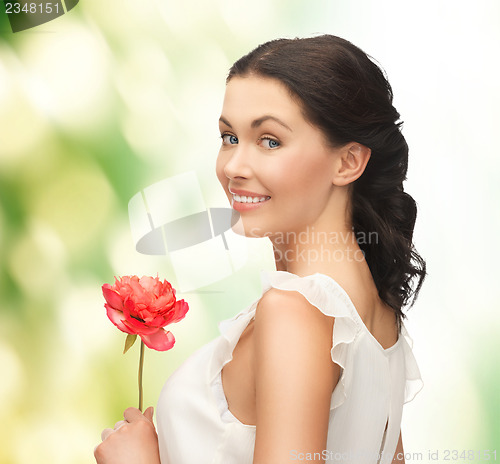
(315, 250)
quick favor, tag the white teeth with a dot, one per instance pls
(245, 199)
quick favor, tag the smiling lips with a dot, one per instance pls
(244, 200)
(244, 196)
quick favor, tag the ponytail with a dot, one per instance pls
(379, 204)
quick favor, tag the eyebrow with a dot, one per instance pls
(259, 121)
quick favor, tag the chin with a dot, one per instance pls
(247, 228)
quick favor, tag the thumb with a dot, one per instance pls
(148, 413)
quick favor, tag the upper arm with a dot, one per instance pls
(399, 454)
(294, 378)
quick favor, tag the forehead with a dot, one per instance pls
(252, 96)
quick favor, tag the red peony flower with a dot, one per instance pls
(143, 307)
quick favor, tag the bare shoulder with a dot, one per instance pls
(293, 306)
(296, 333)
(294, 375)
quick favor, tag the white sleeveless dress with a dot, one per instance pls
(194, 424)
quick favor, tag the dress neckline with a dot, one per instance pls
(352, 308)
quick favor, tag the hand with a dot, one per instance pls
(133, 440)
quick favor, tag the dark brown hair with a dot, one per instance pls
(343, 92)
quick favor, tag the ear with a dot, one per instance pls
(352, 161)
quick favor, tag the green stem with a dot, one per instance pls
(141, 364)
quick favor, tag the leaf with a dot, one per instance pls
(129, 341)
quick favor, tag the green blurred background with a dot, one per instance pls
(114, 96)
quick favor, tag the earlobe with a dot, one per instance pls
(353, 160)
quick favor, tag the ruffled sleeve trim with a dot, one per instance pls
(331, 301)
(414, 382)
(230, 330)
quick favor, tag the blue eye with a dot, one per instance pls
(229, 139)
(270, 143)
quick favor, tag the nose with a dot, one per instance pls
(238, 164)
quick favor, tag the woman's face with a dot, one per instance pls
(271, 152)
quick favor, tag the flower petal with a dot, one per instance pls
(138, 327)
(178, 313)
(158, 321)
(117, 318)
(112, 297)
(149, 284)
(161, 340)
(163, 303)
(138, 292)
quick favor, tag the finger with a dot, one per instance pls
(148, 414)
(133, 414)
(106, 433)
(119, 424)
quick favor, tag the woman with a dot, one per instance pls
(319, 367)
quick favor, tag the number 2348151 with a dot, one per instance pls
(32, 8)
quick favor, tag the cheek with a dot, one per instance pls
(315, 168)
(304, 187)
(303, 176)
(219, 170)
